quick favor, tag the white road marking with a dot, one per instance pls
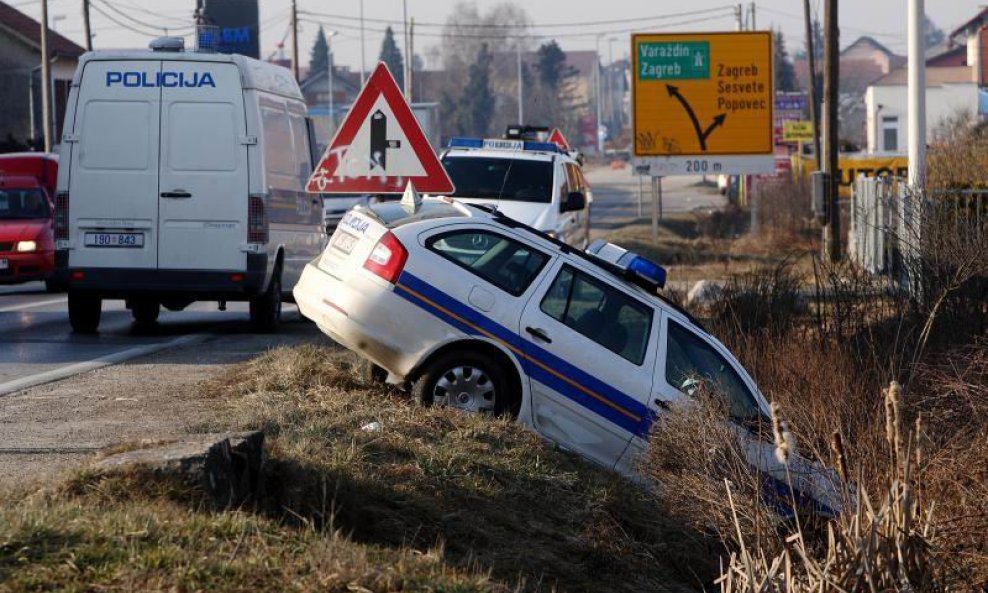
(23, 306)
(97, 363)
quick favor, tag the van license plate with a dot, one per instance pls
(344, 241)
(114, 240)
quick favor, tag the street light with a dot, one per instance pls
(329, 81)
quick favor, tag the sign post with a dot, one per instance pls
(703, 103)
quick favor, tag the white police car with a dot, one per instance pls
(479, 312)
(533, 182)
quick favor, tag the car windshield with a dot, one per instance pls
(520, 180)
(23, 204)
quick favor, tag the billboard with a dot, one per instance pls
(237, 30)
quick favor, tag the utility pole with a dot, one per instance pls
(831, 75)
(45, 79)
(917, 98)
(814, 92)
(295, 39)
(408, 58)
(85, 25)
(751, 23)
(363, 57)
(329, 63)
(521, 92)
(409, 62)
(739, 18)
(600, 138)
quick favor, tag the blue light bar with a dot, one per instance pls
(641, 271)
(502, 144)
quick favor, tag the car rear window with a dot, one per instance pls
(519, 180)
(505, 263)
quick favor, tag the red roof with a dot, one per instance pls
(29, 30)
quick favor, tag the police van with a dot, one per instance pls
(535, 183)
(183, 180)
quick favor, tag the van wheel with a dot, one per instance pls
(145, 311)
(467, 381)
(265, 310)
(84, 312)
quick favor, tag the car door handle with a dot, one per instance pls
(176, 193)
(539, 333)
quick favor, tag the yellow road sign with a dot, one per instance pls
(797, 131)
(702, 94)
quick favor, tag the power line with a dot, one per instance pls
(524, 35)
(536, 26)
(120, 23)
(107, 4)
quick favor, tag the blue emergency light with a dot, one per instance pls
(639, 270)
(503, 144)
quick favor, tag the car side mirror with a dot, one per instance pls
(575, 200)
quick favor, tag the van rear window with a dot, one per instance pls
(116, 135)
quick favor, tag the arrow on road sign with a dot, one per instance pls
(379, 148)
(701, 135)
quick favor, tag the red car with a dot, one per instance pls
(27, 245)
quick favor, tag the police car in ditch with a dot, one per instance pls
(480, 312)
(533, 182)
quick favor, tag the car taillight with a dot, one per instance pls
(257, 223)
(62, 216)
(387, 259)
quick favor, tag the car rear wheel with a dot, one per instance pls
(265, 310)
(145, 311)
(467, 381)
(84, 312)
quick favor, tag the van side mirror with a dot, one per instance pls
(575, 200)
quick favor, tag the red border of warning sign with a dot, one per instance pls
(324, 180)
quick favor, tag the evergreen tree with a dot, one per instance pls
(551, 64)
(934, 34)
(319, 57)
(391, 55)
(785, 73)
(477, 102)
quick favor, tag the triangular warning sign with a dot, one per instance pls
(557, 138)
(379, 148)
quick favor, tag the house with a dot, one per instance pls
(861, 64)
(20, 79)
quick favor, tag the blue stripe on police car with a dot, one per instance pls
(160, 79)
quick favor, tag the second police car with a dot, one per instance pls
(533, 182)
(479, 312)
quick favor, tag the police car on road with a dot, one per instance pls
(533, 182)
(479, 312)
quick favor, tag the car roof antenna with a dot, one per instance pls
(411, 201)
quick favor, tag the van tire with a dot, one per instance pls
(145, 311)
(265, 310)
(84, 312)
(450, 367)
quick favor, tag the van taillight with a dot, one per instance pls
(62, 216)
(257, 223)
(387, 259)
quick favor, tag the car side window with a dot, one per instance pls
(600, 312)
(691, 361)
(508, 264)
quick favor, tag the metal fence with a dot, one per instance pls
(891, 227)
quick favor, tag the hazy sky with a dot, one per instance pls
(585, 21)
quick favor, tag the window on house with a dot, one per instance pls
(890, 133)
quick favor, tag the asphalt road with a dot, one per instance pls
(37, 344)
(616, 197)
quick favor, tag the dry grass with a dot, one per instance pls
(434, 500)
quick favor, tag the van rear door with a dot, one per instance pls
(203, 179)
(114, 166)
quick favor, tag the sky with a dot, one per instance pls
(576, 24)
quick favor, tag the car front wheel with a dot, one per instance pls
(467, 381)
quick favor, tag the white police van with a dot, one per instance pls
(535, 183)
(482, 313)
(183, 179)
